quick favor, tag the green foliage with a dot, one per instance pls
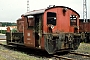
(8, 24)
(3, 31)
(14, 30)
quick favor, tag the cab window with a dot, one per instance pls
(51, 18)
(73, 20)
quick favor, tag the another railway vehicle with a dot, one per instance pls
(53, 29)
(85, 29)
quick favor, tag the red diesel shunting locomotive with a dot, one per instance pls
(53, 29)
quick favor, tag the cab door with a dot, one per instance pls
(29, 35)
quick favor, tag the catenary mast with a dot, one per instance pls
(28, 6)
(85, 11)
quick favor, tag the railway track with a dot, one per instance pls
(73, 56)
(82, 54)
(69, 56)
(62, 57)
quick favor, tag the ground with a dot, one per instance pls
(7, 54)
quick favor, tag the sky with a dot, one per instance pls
(11, 10)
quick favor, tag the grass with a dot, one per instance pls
(14, 55)
(3, 42)
(84, 47)
(23, 56)
(2, 58)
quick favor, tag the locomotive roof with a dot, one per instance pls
(43, 10)
(35, 12)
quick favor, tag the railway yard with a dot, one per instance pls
(58, 38)
(19, 53)
(51, 33)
